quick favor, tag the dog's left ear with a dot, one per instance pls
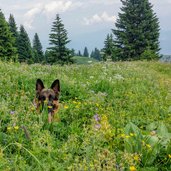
(56, 86)
(39, 86)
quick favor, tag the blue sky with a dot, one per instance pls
(87, 21)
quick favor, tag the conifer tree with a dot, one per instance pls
(13, 29)
(7, 50)
(137, 30)
(86, 54)
(79, 53)
(24, 47)
(58, 52)
(96, 54)
(108, 49)
(37, 49)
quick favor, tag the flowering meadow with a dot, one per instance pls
(112, 117)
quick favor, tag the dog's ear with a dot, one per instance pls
(39, 86)
(56, 86)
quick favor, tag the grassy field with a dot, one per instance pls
(112, 116)
(84, 60)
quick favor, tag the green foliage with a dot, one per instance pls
(7, 50)
(24, 47)
(58, 52)
(116, 120)
(137, 30)
(37, 50)
(96, 54)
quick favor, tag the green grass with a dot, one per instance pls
(112, 116)
(84, 60)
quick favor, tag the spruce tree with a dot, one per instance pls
(108, 49)
(37, 49)
(58, 52)
(137, 30)
(96, 54)
(79, 53)
(7, 50)
(24, 47)
(86, 54)
(13, 29)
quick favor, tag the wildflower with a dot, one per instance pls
(137, 158)
(169, 156)
(49, 107)
(16, 127)
(131, 134)
(152, 133)
(97, 126)
(148, 145)
(123, 135)
(12, 112)
(33, 108)
(132, 168)
(96, 117)
(74, 102)
(9, 128)
(66, 107)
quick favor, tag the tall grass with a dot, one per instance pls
(112, 116)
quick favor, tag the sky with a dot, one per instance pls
(87, 21)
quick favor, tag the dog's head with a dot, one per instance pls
(49, 96)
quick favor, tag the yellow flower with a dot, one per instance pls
(49, 107)
(127, 136)
(66, 107)
(74, 102)
(9, 128)
(136, 157)
(123, 135)
(148, 145)
(33, 108)
(131, 134)
(132, 168)
(16, 127)
(169, 156)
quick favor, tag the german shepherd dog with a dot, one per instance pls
(48, 96)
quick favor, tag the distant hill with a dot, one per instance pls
(84, 60)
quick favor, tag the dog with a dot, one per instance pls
(49, 97)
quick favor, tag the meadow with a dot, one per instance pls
(112, 116)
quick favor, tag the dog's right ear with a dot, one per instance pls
(39, 86)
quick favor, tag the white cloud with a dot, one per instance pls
(49, 9)
(104, 17)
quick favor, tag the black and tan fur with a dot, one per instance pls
(48, 96)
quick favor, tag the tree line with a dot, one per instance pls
(135, 37)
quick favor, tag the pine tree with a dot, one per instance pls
(96, 54)
(86, 54)
(108, 49)
(137, 30)
(37, 49)
(58, 38)
(13, 29)
(24, 47)
(79, 53)
(7, 50)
